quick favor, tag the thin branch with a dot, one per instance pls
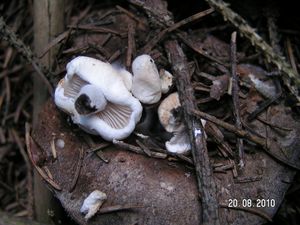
(175, 26)
(236, 100)
(139, 150)
(77, 171)
(206, 184)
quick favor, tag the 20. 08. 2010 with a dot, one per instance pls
(250, 203)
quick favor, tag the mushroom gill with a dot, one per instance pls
(116, 116)
(73, 86)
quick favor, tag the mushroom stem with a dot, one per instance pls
(90, 100)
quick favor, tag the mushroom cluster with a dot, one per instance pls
(97, 97)
(105, 100)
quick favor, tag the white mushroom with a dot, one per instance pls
(146, 84)
(126, 76)
(90, 99)
(92, 203)
(166, 79)
(94, 94)
(180, 142)
(167, 113)
(171, 118)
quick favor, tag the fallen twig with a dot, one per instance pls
(77, 171)
(138, 150)
(131, 45)
(173, 27)
(206, 183)
(236, 101)
(29, 142)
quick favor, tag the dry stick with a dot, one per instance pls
(95, 29)
(291, 55)
(131, 44)
(160, 17)
(245, 134)
(8, 35)
(77, 171)
(30, 205)
(175, 26)
(29, 142)
(138, 150)
(114, 56)
(131, 15)
(236, 101)
(197, 49)
(20, 105)
(290, 78)
(206, 184)
(55, 41)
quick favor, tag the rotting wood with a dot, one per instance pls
(289, 77)
(206, 184)
(236, 102)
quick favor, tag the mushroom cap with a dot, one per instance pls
(166, 113)
(179, 143)
(122, 111)
(146, 84)
(166, 79)
(90, 99)
(172, 121)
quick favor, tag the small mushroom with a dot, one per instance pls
(92, 203)
(180, 142)
(146, 83)
(97, 98)
(166, 79)
(168, 113)
(171, 118)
